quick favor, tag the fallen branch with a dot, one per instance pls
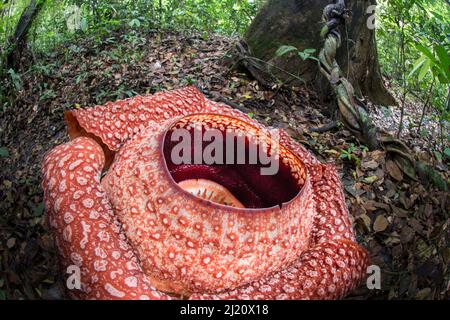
(225, 101)
(233, 104)
(327, 127)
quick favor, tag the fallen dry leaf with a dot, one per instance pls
(423, 294)
(11, 242)
(365, 219)
(369, 165)
(394, 171)
(416, 212)
(380, 224)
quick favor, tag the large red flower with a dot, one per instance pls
(151, 228)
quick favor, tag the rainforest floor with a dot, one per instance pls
(403, 223)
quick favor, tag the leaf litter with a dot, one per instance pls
(404, 224)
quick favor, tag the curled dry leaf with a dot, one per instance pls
(369, 165)
(364, 221)
(423, 294)
(11, 242)
(393, 170)
(380, 224)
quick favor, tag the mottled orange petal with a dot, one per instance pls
(329, 270)
(138, 228)
(87, 234)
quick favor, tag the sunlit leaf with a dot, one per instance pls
(419, 62)
(425, 69)
(444, 59)
(309, 51)
(285, 49)
(426, 52)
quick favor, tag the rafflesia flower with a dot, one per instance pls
(139, 224)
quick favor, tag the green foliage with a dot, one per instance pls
(421, 24)
(16, 80)
(304, 55)
(307, 54)
(424, 28)
(4, 152)
(282, 50)
(437, 63)
(350, 153)
(447, 153)
(62, 20)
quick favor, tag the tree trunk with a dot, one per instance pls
(297, 23)
(17, 41)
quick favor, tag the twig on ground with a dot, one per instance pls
(233, 105)
(327, 127)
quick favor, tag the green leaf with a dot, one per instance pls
(303, 55)
(134, 23)
(370, 180)
(438, 156)
(16, 79)
(447, 152)
(39, 210)
(424, 133)
(440, 74)
(417, 64)
(425, 69)
(426, 52)
(437, 15)
(307, 54)
(444, 59)
(443, 56)
(285, 49)
(309, 51)
(84, 24)
(4, 152)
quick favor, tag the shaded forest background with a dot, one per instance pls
(77, 53)
(412, 41)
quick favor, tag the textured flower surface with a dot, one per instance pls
(140, 226)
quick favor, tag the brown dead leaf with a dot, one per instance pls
(380, 224)
(11, 243)
(423, 294)
(369, 165)
(378, 155)
(365, 221)
(394, 171)
(369, 205)
(406, 234)
(382, 206)
(416, 225)
(393, 239)
(399, 212)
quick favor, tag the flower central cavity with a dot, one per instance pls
(229, 162)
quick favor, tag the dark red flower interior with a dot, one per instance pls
(244, 181)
